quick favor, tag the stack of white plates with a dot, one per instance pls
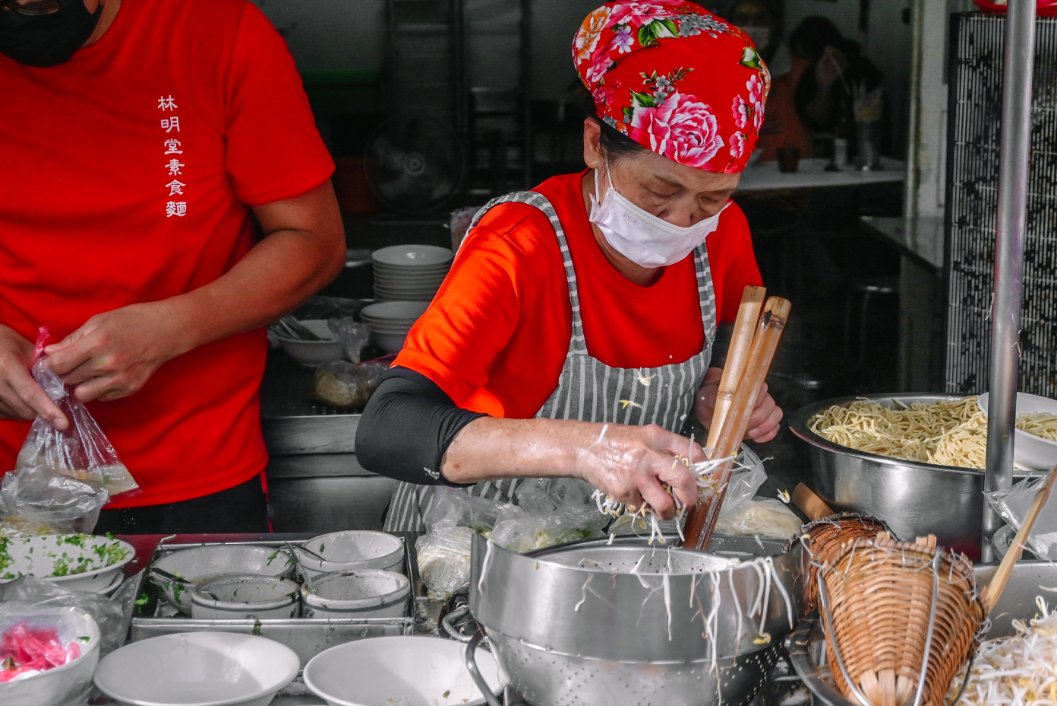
(390, 321)
(409, 272)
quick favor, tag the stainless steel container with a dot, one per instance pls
(914, 498)
(576, 624)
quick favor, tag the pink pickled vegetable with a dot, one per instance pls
(24, 651)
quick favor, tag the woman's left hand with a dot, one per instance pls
(766, 417)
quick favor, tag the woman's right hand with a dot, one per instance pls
(629, 463)
(20, 395)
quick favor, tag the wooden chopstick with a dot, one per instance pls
(737, 356)
(701, 520)
(990, 595)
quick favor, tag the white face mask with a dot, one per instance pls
(645, 239)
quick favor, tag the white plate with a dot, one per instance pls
(1029, 451)
(413, 255)
(393, 312)
(82, 562)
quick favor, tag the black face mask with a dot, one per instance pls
(47, 40)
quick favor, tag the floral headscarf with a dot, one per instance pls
(676, 79)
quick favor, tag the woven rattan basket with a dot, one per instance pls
(900, 619)
(825, 539)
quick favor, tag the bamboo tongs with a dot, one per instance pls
(752, 350)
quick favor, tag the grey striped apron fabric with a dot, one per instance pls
(589, 390)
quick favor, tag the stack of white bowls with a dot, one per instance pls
(409, 272)
(390, 321)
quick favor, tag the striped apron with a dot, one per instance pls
(588, 389)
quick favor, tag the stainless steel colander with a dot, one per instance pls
(630, 624)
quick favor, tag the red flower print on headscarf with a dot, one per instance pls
(680, 128)
(675, 78)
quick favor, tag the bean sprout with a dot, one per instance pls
(1017, 670)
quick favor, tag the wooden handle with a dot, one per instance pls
(990, 595)
(701, 520)
(737, 356)
(810, 503)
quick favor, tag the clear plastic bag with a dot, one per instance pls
(352, 335)
(45, 638)
(62, 478)
(346, 385)
(38, 593)
(1012, 506)
(444, 560)
(546, 513)
(768, 518)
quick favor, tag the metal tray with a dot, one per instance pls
(306, 636)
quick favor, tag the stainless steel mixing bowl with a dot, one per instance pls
(575, 625)
(915, 499)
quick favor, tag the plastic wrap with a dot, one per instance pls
(768, 518)
(1012, 506)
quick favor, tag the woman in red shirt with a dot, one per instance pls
(574, 332)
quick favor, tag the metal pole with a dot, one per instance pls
(1009, 252)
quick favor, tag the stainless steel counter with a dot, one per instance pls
(314, 481)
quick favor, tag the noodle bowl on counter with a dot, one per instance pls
(946, 432)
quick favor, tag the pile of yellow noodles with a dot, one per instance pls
(949, 433)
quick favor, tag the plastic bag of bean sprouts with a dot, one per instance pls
(547, 512)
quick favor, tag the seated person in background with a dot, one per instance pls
(817, 94)
(836, 74)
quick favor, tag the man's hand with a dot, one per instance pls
(20, 395)
(114, 354)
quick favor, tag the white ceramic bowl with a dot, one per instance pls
(370, 593)
(197, 669)
(199, 564)
(64, 683)
(404, 670)
(393, 312)
(82, 562)
(313, 353)
(351, 550)
(1029, 451)
(238, 597)
(412, 256)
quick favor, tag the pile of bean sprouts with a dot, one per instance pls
(1019, 670)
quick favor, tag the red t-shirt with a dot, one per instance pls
(496, 335)
(125, 177)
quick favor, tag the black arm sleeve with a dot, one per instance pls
(407, 426)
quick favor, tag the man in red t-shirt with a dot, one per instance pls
(138, 140)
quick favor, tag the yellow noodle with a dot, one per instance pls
(1039, 424)
(949, 432)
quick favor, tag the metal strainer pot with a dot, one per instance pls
(628, 624)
